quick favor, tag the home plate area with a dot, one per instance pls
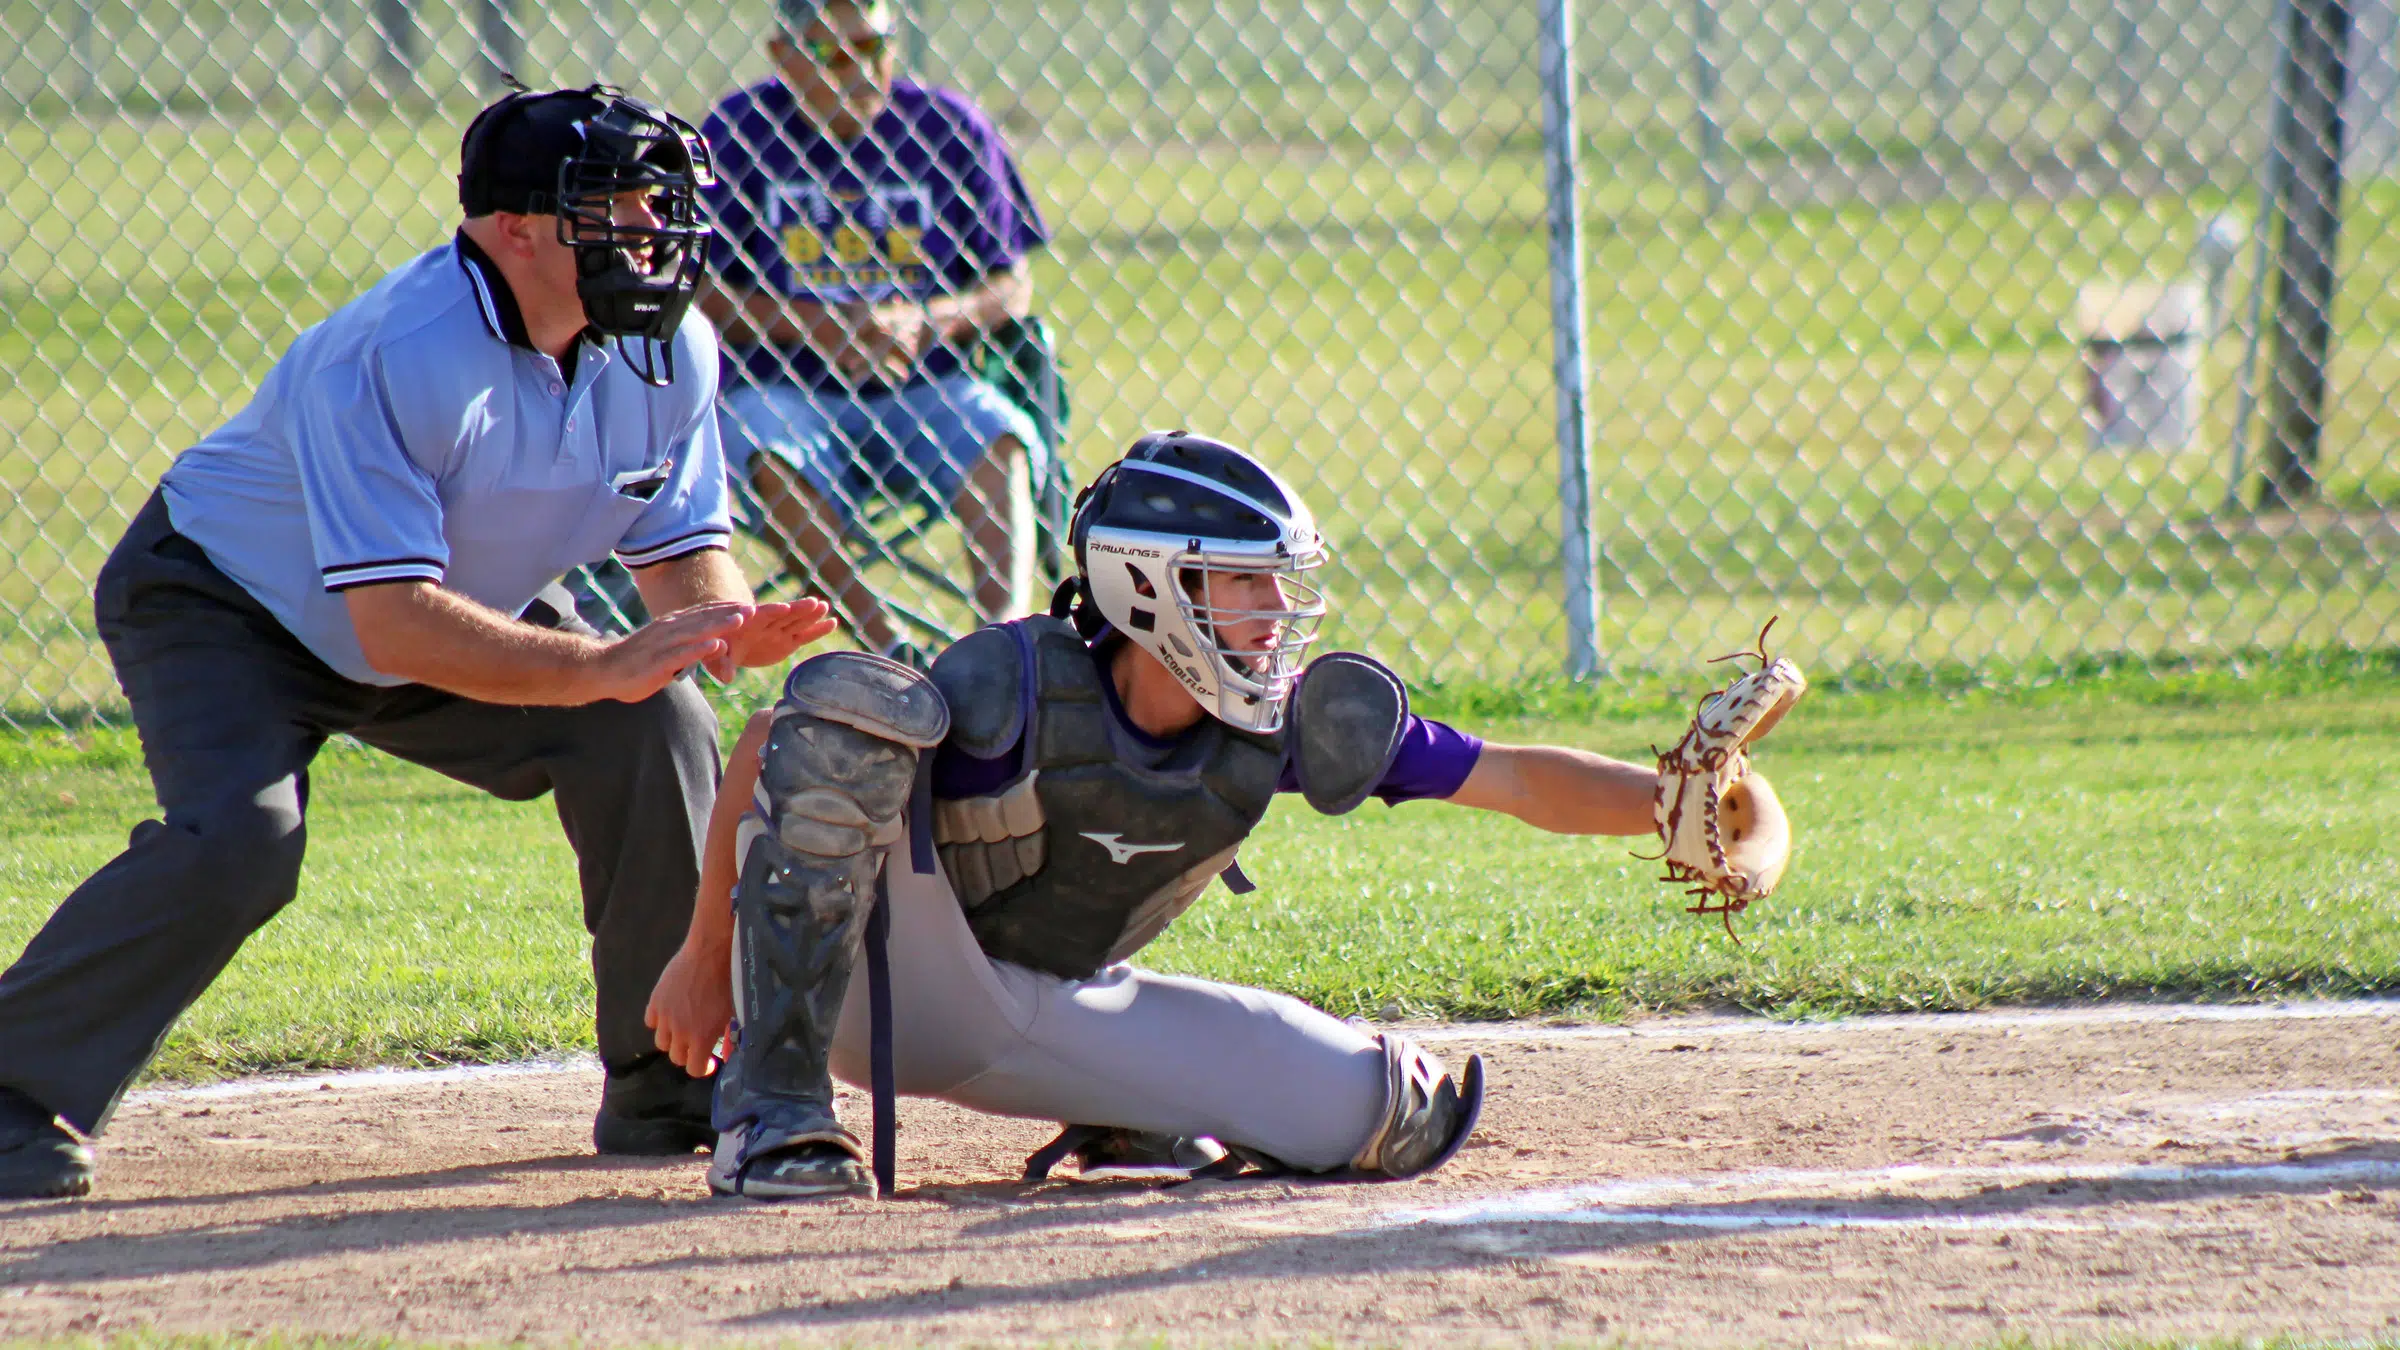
(2121, 1172)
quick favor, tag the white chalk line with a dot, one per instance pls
(1637, 1203)
(364, 1080)
(2013, 1223)
(1633, 1203)
(2033, 1018)
(385, 1080)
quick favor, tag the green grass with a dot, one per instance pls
(2205, 832)
(1862, 416)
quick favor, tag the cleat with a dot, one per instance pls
(1427, 1114)
(655, 1110)
(1133, 1155)
(814, 1170)
(1101, 1153)
(39, 1159)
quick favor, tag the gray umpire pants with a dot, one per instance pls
(1125, 1048)
(231, 709)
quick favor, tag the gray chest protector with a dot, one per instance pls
(1095, 848)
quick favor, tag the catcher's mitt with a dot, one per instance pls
(1724, 832)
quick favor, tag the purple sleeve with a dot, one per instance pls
(991, 216)
(1434, 759)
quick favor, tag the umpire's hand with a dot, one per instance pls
(422, 633)
(646, 660)
(770, 633)
(722, 637)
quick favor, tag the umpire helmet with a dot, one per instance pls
(569, 153)
(1171, 543)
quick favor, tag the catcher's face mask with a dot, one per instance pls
(1201, 557)
(1259, 619)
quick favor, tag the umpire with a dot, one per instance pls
(372, 548)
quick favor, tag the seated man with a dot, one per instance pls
(1092, 772)
(868, 228)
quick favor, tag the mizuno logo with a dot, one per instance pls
(1121, 853)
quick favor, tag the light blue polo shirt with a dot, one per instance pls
(416, 433)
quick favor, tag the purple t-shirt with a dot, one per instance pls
(1434, 758)
(924, 204)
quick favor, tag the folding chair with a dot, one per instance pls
(897, 544)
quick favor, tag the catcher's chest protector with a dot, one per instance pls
(1091, 852)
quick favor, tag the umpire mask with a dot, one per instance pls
(573, 153)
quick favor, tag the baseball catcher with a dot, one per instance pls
(1017, 825)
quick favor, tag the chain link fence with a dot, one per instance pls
(1999, 336)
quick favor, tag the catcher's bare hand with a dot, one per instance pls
(691, 1009)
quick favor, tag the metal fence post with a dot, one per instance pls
(1158, 60)
(2127, 56)
(81, 53)
(395, 23)
(2309, 126)
(1704, 101)
(500, 29)
(1943, 38)
(1431, 31)
(915, 41)
(1580, 591)
(1303, 224)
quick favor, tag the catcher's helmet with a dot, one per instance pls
(569, 152)
(1152, 529)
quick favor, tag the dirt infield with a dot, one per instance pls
(2113, 1174)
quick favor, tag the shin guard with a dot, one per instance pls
(833, 793)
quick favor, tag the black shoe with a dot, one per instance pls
(655, 1110)
(39, 1160)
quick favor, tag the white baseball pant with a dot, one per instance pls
(1126, 1047)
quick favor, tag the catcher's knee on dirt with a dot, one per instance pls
(833, 790)
(1427, 1114)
